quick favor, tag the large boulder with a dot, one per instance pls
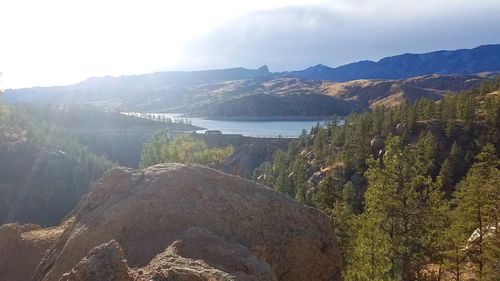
(247, 228)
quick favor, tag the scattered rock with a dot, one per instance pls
(377, 143)
(400, 129)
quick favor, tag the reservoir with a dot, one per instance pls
(250, 128)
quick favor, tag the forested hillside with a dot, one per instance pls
(405, 187)
(43, 170)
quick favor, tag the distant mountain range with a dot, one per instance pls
(484, 58)
(240, 92)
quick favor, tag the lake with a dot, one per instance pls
(287, 128)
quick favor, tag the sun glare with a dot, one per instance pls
(61, 42)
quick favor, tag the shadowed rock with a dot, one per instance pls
(22, 247)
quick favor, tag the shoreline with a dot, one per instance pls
(261, 118)
(247, 118)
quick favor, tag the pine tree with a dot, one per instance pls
(426, 149)
(320, 147)
(329, 192)
(478, 201)
(282, 181)
(345, 224)
(372, 255)
(452, 169)
(264, 174)
(405, 205)
(300, 168)
(454, 256)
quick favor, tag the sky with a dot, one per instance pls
(59, 42)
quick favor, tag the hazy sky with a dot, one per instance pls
(54, 42)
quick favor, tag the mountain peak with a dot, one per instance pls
(320, 66)
(263, 68)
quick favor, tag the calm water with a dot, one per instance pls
(250, 128)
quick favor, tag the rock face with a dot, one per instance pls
(177, 222)
(21, 249)
(198, 256)
(251, 152)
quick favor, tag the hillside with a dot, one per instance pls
(266, 97)
(416, 183)
(301, 97)
(43, 170)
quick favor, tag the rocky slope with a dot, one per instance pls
(177, 222)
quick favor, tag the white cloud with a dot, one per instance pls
(340, 32)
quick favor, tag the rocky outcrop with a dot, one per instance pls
(22, 247)
(250, 153)
(104, 262)
(194, 223)
(198, 256)
(201, 255)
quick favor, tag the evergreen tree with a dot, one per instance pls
(452, 169)
(426, 149)
(477, 205)
(404, 204)
(320, 147)
(454, 256)
(299, 169)
(372, 254)
(345, 224)
(282, 181)
(329, 192)
(264, 174)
